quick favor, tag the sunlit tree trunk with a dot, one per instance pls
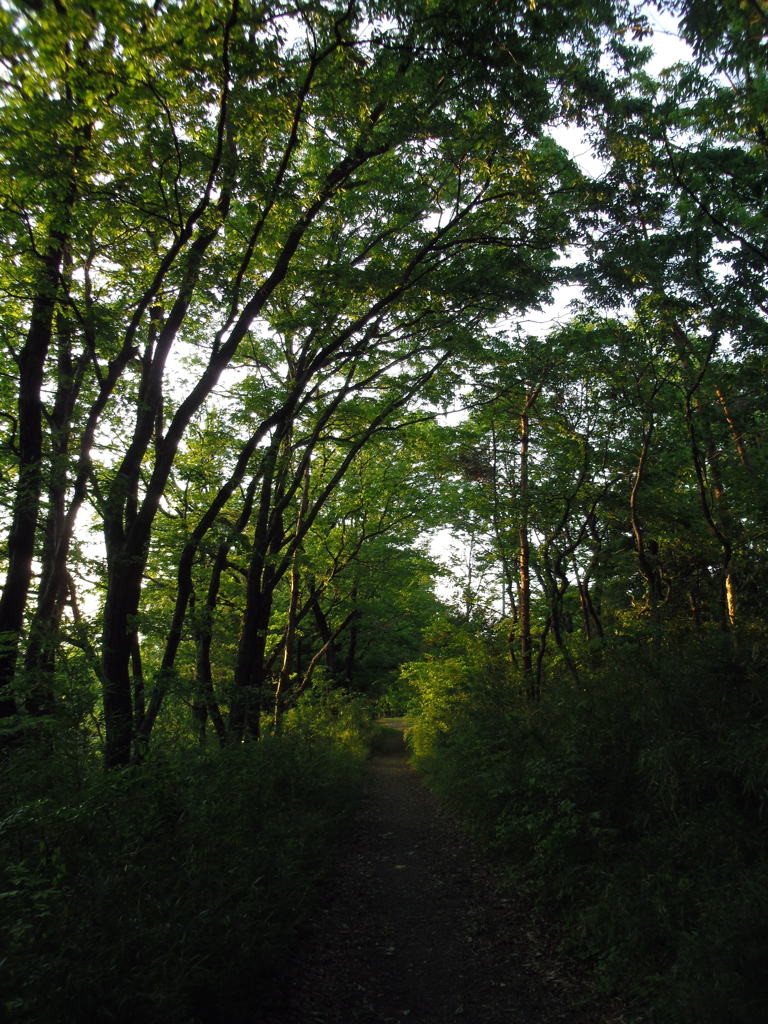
(715, 512)
(707, 469)
(524, 577)
(736, 435)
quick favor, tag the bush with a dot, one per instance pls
(340, 717)
(633, 807)
(166, 892)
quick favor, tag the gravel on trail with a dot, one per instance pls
(415, 926)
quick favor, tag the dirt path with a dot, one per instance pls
(414, 927)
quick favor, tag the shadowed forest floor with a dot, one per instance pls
(415, 926)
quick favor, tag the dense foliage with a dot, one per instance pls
(631, 807)
(264, 237)
(170, 891)
(250, 257)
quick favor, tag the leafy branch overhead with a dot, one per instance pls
(247, 249)
(290, 203)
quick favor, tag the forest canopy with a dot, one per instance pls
(251, 253)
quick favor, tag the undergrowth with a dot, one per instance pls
(633, 806)
(170, 891)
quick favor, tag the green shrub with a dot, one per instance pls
(166, 892)
(633, 807)
(339, 716)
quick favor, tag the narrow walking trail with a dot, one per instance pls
(414, 926)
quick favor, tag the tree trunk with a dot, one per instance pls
(250, 668)
(323, 627)
(555, 584)
(350, 662)
(21, 538)
(524, 584)
(44, 632)
(117, 645)
(185, 596)
(306, 681)
(646, 559)
(539, 677)
(588, 611)
(713, 502)
(736, 435)
(716, 513)
(289, 641)
(205, 705)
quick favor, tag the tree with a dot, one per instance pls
(311, 172)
